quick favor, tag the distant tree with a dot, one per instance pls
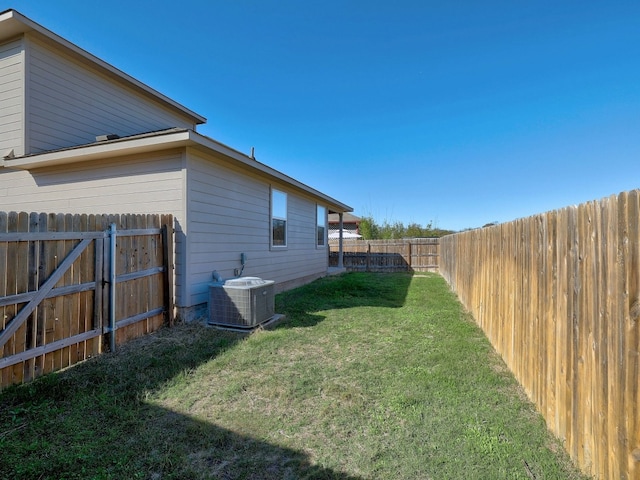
(371, 230)
(368, 228)
(438, 232)
(490, 224)
(390, 231)
(414, 230)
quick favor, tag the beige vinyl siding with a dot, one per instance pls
(12, 97)
(136, 184)
(229, 215)
(70, 103)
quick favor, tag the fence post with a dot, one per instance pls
(112, 287)
(340, 246)
(167, 254)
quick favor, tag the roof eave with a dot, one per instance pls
(255, 165)
(164, 141)
(95, 151)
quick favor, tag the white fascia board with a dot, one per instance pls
(13, 23)
(96, 151)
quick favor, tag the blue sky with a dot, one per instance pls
(458, 113)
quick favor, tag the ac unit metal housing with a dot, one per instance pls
(244, 302)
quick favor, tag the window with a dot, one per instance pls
(278, 218)
(321, 226)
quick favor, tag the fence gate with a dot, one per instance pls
(72, 286)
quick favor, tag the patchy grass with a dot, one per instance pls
(371, 376)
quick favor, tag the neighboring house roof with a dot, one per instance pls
(13, 24)
(163, 140)
(346, 218)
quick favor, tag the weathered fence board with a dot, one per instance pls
(558, 295)
(54, 291)
(401, 255)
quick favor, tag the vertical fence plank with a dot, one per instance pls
(146, 301)
(128, 291)
(72, 302)
(51, 304)
(3, 267)
(41, 311)
(573, 333)
(551, 296)
(85, 274)
(136, 301)
(62, 358)
(168, 259)
(562, 332)
(582, 322)
(98, 307)
(10, 310)
(22, 286)
(67, 316)
(632, 334)
(141, 295)
(599, 384)
(4, 287)
(32, 322)
(608, 259)
(92, 273)
(509, 300)
(621, 325)
(615, 338)
(120, 262)
(153, 285)
(540, 299)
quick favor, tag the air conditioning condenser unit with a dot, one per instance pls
(244, 302)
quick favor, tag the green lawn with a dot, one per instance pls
(370, 377)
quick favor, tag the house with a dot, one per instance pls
(77, 135)
(350, 225)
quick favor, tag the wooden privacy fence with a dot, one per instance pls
(558, 295)
(401, 255)
(71, 285)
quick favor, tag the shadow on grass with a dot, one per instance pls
(96, 420)
(344, 291)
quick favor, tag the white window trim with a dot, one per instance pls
(273, 217)
(326, 229)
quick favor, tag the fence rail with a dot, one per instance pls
(558, 295)
(70, 283)
(402, 255)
